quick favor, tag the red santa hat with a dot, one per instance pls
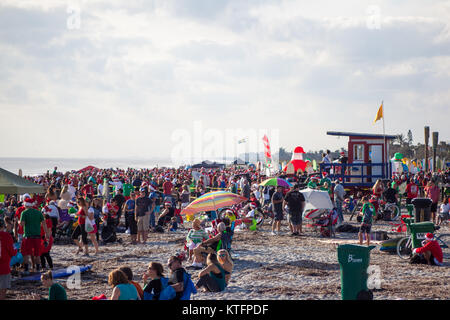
(324, 173)
(429, 236)
(28, 202)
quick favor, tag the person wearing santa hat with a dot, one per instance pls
(31, 221)
(18, 229)
(430, 251)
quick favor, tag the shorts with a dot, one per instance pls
(31, 247)
(278, 216)
(192, 245)
(295, 218)
(365, 228)
(132, 224)
(5, 281)
(80, 230)
(433, 207)
(143, 223)
(94, 231)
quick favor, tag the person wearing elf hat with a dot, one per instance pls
(431, 251)
(313, 183)
(325, 179)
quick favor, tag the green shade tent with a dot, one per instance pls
(11, 183)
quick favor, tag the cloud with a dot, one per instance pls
(134, 72)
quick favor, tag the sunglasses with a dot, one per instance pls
(222, 255)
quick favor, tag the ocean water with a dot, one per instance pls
(37, 166)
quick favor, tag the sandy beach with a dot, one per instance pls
(266, 267)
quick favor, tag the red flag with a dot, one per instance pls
(267, 147)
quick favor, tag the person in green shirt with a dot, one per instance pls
(31, 220)
(368, 213)
(55, 290)
(313, 183)
(127, 188)
(325, 179)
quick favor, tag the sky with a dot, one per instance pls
(180, 78)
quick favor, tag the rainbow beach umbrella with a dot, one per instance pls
(212, 201)
(277, 182)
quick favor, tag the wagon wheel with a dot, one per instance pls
(444, 243)
(404, 248)
(354, 209)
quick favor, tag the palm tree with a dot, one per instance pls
(400, 139)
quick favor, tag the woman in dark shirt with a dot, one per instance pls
(212, 278)
(153, 288)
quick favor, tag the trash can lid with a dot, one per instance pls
(422, 202)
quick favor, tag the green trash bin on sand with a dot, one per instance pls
(418, 232)
(354, 261)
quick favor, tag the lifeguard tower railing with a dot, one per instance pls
(357, 174)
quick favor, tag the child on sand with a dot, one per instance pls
(368, 212)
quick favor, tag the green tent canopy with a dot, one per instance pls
(11, 183)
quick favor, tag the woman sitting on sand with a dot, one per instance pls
(123, 289)
(212, 278)
(153, 288)
(224, 258)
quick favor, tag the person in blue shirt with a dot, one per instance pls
(129, 207)
(123, 289)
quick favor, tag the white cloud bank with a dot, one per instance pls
(135, 71)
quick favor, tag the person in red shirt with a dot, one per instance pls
(7, 251)
(46, 246)
(167, 187)
(88, 190)
(18, 229)
(80, 229)
(433, 192)
(412, 191)
(431, 251)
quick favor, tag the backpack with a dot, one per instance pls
(167, 292)
(189, 287)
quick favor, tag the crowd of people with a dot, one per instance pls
(150, 200)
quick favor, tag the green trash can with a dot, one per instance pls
(418, 231)
(354, 261)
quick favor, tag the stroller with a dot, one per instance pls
(108, 232)
(319, 211)
(326, 222)
(65, 228)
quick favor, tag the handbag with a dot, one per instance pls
(88, 226)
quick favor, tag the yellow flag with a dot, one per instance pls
(379, 113)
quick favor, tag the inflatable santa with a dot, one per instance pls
(297, 162)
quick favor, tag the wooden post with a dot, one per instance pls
(427, 137)
(435, 144)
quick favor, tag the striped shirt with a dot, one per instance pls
(196, 236)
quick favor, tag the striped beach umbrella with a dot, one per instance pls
(212, 201)
(277, 182)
